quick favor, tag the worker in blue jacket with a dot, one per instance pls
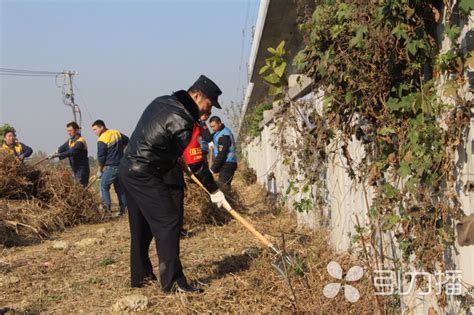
(11, 145)
(110, 147)
(76, 150)
(225, 153)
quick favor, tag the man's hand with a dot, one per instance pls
(53, 156)
(219, 200)
(99, 174)
(21, 157)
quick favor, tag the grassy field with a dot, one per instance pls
(92, 273)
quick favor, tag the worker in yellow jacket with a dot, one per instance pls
(12, 146)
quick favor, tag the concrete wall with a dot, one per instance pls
(346, 200)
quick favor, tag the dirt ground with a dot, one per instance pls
(92, 273)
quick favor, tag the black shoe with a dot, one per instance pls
(183, 288)
(146, 281)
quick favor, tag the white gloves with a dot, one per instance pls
(99, 174)
(52, 156)
(219, 200)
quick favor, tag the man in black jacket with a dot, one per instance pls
(148, 172)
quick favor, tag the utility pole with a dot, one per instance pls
(68, 95)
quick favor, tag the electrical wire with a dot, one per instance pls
(27, 74)
(83, 102)
(24, 71)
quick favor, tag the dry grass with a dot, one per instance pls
(225, 259)
(35, 203)
(198, 208)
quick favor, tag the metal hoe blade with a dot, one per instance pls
(283, 263)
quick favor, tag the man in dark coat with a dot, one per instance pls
(75, 149)
(148, 172)
(225, 151)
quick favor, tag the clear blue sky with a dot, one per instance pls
(126, 52)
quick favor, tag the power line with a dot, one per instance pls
(28, 71)
(83, 102)
(28, 75)
(66, 87)
(24, 71)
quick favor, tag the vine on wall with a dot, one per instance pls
(388, 82)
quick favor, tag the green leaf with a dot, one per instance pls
(281, 48)
(263, 69)
(466, 5)
(348, 97)
(386, 130)
(412, 184)
(275, 90)
(412, 47)
(404, 169)
(344, 12)
(290, 187)
(280, 70)
(390, 222)
(272, 50)
(399, 32)
(358, 40)
(390, 191)
(405, 246)
(393, 104)
(336, 30)
(452, 31)
(305, 188)
(272, 78)
(299, 60)
(450, 88)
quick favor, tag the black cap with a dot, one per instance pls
(209, 88)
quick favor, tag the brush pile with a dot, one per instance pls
(35, 203)
(198, 208)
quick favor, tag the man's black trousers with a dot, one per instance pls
(154, 210)
(226, 173)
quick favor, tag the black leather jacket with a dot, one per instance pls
(161, 135)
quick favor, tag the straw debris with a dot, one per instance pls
(226, 260)
(34, 203)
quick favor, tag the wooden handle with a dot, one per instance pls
(40, 161)
(232, 212)
(91, 182)
(249, 227)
